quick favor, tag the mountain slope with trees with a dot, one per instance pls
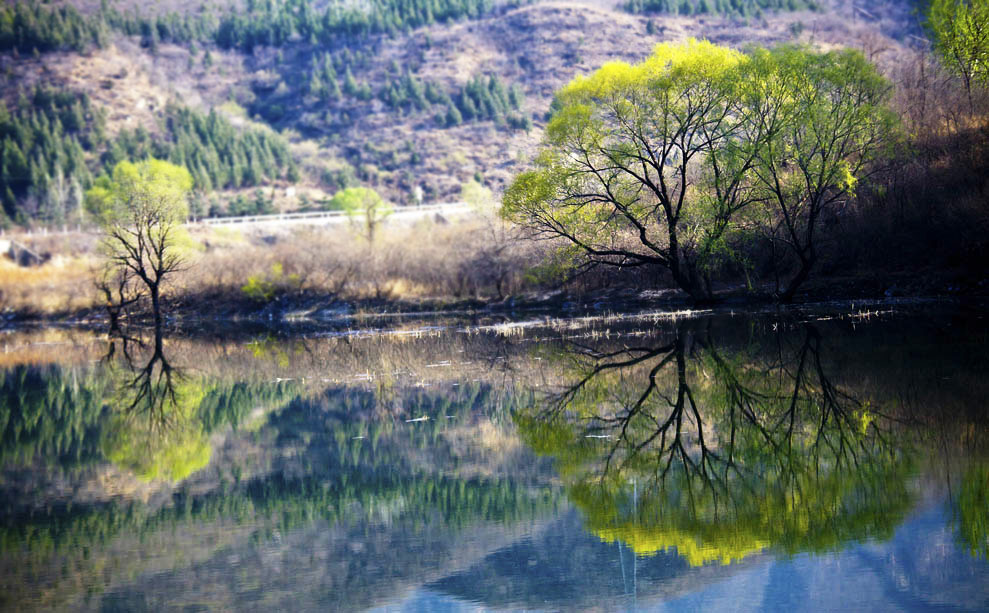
(428, 93)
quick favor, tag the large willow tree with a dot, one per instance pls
(651, 164)
(831, 124)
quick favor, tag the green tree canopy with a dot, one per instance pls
(831, 124)
(617, 173)
(141, 208)
(365, 208)
(155, 431)
(961, 38)
(651, 164)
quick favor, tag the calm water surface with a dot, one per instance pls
(830, 459)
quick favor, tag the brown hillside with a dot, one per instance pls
(539, 46)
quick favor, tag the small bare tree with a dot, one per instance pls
(141, 208)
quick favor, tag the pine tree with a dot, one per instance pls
(332, 88)
(350, 84)
(466, 106)
(453, 116)
(316, 87)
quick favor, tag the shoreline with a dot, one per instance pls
(318, 310)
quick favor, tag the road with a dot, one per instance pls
(325, 218)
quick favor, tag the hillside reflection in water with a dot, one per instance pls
(643, 462)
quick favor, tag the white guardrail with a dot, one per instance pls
(314, 217)
(317, 217)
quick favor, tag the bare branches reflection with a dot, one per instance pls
(721, 452)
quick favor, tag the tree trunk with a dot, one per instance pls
(156, 306)
(686, 275)
(797, 281)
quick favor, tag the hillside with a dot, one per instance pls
(390, 104)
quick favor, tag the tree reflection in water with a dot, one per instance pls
(970, 510)
(720, 452)
(155, 431)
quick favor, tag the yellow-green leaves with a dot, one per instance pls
(156, 432)
(719, 453)
(170, 456)
(824, 120)
(571, 122)
(478, 197)
(141, 208)
(971, 510)
(961, 37)
(670, 65)
(527, 188)
(619, 170)
(365, 208)
(134, 186)
(656, 163)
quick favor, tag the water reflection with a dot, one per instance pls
(154, 431)
(971, 510)
(576, 464)
(190, 467)
(721, 452)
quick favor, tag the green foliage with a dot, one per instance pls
(257, 205)
(406, 93)
(160, 27)
(960, 29)
(833, 123)
(72, 417)
(217, 154)
(282, 503)
(740, 8)
(30, 26)
(365, 208)
(222, 156)
(452, 117)
(971, 511)
(53, 142)
(640, 164)
(478, 197)
(480, 99)
(155, 432)
(141, 208)
(172, 455)
(488, 99)
(47, 415)
(275, 23)
(352, 480)
(263, 288)
(655, 164)
(43, 146)
(26, 26)
(720, 455)
(132, 188)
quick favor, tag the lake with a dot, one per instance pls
(827, 458)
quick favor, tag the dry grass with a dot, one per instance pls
(47, 346)
(478, 258)
(433, 260)
(62, 284)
